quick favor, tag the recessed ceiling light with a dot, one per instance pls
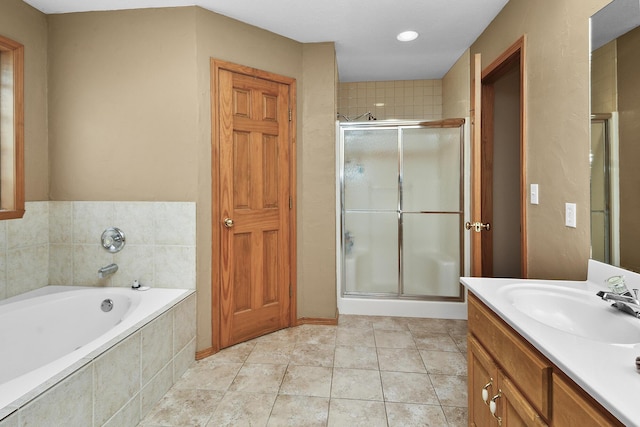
(407, 36)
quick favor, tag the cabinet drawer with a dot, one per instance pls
(528, 370)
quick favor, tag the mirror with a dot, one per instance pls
(615, 131)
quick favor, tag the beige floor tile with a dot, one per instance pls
(355, 337)
(234, 354)
(354, 321)
(296, 411)
(209, 376)
(444, 362)
(316, 334)
(456, 417)
(276, 352)
(356, 413)
(312, 355)
(329, 375)
(391, 323)
(283, 335)
(362, 384)
(394, 339)
(356, 357)
(400, 360)
(259, 378)
(184, 407)
(461, 342)
(429, 325)
(409, 415)
(243, 409)
(434, 340)
(307, 381)
(408, 387)
(451, 389)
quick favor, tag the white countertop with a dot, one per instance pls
(606, 371)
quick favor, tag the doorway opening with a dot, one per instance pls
(499, 187)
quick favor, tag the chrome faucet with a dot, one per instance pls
(627, 302)
(107, 270)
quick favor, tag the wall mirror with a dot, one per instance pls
(615, 134)
(11, 129)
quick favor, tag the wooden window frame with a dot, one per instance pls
(11, 129)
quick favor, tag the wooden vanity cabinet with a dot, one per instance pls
(511, 407)
(530, 390)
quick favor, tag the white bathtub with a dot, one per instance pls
(48, 334)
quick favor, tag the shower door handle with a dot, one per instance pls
(477, 226)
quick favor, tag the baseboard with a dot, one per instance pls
(205, 353)
(317, 321)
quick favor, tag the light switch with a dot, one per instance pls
(570, 214)
(534, 194)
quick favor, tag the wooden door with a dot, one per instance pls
(255, 203)
(479, 253)
(482, 199)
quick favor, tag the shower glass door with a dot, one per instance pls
(401, 211)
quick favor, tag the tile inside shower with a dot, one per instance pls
(391, 100)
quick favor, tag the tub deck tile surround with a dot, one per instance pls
(341, 375)
(117, 388)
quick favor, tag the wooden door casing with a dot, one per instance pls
(253, 155)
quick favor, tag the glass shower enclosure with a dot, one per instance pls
(402, 209)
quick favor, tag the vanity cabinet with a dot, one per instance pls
(526, 388)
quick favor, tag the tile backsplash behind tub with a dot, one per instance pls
(58, 243)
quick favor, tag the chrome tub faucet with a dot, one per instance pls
(107, 270)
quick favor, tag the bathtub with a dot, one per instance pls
(49, 334)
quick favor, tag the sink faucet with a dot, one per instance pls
(107, 270)
(627, 302)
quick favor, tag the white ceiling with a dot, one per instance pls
(364, 32)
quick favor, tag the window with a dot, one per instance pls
(11, 129)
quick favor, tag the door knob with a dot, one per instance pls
(228, 222)
(477, 226)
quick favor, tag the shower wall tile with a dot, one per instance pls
(159, 250)
(90, 219)
(60, 264)
(61, 222)
(137, 219)
(402, 99)
(58, 243)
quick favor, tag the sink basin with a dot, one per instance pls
(575, 311)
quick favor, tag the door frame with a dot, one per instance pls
(216, 228)
(482, 101)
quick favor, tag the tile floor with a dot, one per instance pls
(367, 371)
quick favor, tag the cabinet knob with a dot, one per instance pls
(493, 406)
(485, 391)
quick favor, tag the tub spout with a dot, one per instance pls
(107, 270)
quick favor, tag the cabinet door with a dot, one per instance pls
(514, 409)
(572, 407)
(483, 374)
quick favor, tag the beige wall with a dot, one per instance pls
(316, 187)
(456, 89)
(557, 54)
(27, 26)
(604, 85)
(122, 105)
(130, 119)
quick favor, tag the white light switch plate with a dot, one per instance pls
(570, 214)
(534, 194)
